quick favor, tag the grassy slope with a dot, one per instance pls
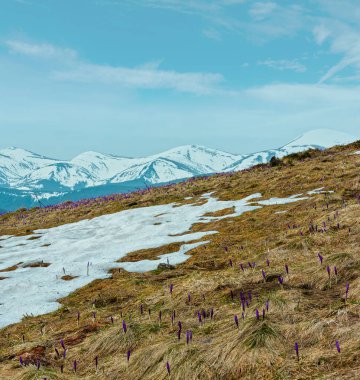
(307, 308)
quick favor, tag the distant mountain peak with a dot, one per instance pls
(324, 138)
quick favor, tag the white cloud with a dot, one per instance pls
(212, 34)
(284, 64)
(40, 50)
(142, 78)
(344, 41)
(145, 76)
(321, 33)
(308, 95)
(261, 10)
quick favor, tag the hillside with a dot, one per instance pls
(262, 261)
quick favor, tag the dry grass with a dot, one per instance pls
(308, 308)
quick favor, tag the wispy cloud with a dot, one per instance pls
(257, 20)
(343, 41)
(144, 76)
(338, 30)
(309, 95)
(42, 50)
(284, 64)
(261, 10)
(212, 34)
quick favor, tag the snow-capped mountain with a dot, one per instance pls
(316, 139)
(16, 163)
(26, 177)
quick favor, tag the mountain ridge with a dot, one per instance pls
(41, 177)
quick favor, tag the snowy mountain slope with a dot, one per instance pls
(58, 176)
(38, 177)
(324, 138)
(102, 166)
(158, 170)
(16, 163)
(316, 139)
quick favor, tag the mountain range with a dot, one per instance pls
(27, 178)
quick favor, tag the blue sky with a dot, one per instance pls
(134, 77)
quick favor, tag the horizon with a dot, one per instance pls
(172, 148)
(242, 76)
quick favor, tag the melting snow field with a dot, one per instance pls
(100, 242)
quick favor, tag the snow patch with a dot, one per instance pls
(89, 248)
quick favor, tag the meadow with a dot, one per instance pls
(275, 294)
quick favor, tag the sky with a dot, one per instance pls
(136, 77)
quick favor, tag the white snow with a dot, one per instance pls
(101, 241)
(282, 201)
(325, 138)
(320, 190)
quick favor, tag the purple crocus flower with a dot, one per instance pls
(203, 313)
(263, 274)
(62, 368)
(179, 334)
(64, 353)
(263, 313)
(297, 350)
(171, 288)
(189, 297)
(328, 270)
(236, 320)
(37, 364)
(250, 296)
(268, 262)
(267, 305)
(124, 327)
(128, 355)
(211, 313)
(337, 344)
(257, 313)
(281, 280)
(168, 368)
(335, 271)
(75, 365)
(199, 316)
(243, 315)
(242, 267)
(57, 352)
(62, 344)
(347, 291)
(180, 325)
(21, 360)
(320, 258)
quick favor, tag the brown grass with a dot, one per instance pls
(307, 308)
